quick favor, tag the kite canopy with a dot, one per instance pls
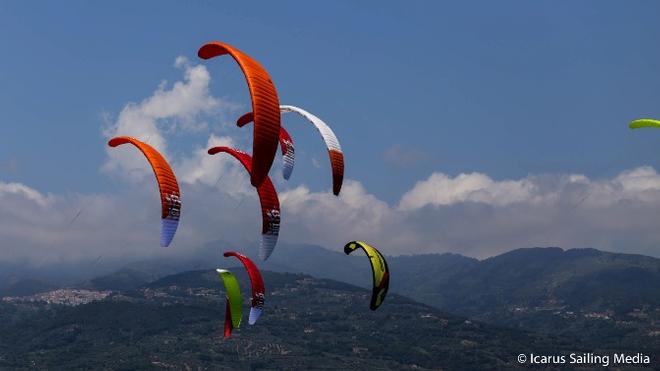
(644, 123)
(379, 269)
(270, 204)
(233, 307)
(329, 137)
(331, 142)
(257, 282)
(170, 197)
(286, 145)
(288, 153)
(265, 106)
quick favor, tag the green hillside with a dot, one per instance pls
(176, 322)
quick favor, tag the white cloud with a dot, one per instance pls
(475, 215)
(202, 167)
(478, 216)
(639, 184)
(440, 189)
(182, 107)
(24, 191)
(78, 226)
(471, 214)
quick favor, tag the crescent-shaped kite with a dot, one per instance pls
(234, 302)
(286, 145)
(379, 269)
(257, 282)
(170, 197)
(329, 137)
(270, 204)
(265, 105)
(644, 123)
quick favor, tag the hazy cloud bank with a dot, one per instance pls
(471, 213)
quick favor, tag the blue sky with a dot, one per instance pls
(506, 89)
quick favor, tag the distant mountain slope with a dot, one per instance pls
(176, 322)
(26, 287)
(584, 279)
(539, 289)
(595, 296)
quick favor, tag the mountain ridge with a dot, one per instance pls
(177, 322)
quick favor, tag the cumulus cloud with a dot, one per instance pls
(44, 227)
(640, 184)
(616, 214)
(200, 167)
(475, 215)
(40, 226)
(182, 107)
(441, 190)
(472, 214)
(48, 228)
(8, 189)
